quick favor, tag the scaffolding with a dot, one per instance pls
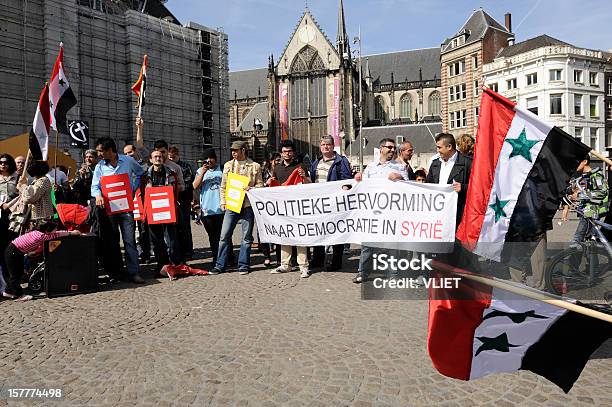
(104, 43)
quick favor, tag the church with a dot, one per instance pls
(315, 88)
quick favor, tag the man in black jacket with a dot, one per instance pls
(451, 167)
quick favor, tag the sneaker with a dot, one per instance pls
(358, 279)
(243, 272)
(214, 271)
(305, 272)
(280, 270)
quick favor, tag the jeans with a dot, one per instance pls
(581, 231)
(125, 223)
(364, 259)
(230, 220)
(185, 239)
(160, 234)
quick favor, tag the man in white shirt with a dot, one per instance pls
(388, 168)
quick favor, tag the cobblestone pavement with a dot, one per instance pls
(260, 339)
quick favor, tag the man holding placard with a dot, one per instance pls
(114, 181)
(239, 174)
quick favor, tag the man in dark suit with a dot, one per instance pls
(451, 167)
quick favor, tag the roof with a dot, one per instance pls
(420, 135)
(529, 45)
(405, 65)
(259, 111)
(476, 26)
(248, 83)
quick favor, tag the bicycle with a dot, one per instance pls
(585, 268)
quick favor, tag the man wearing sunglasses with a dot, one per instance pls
(386, 167)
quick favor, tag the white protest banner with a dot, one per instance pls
(373, 210)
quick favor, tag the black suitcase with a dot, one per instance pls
(71, 266)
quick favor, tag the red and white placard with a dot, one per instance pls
(117, 193)
(139, 209)
(160, 206)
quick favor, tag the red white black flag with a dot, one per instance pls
(39, 134)
(61, 97)
(141, 84)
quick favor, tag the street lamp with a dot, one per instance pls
(357, 40)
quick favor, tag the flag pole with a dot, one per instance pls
(55, 155)
(601, 157)
(140, 94)
(515, 289)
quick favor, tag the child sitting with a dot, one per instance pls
(16, 251)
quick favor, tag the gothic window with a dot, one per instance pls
(245, 112)
(434, 104)
(307, 59)
(379, 108)
(405, 106)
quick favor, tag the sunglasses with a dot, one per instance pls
(4, 162)
(390, 147)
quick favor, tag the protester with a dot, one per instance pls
(16, 251)
(113, 163)
(242, 165)
(185, 198)
(34, 205)
(281, 174)
(273, 160)
(593, 197)
(20, 164)
(160, 175)
(420, 176)
(331, 166)
(8, 191)
(137, 153)
(81, 188)
(406, 150)
(451, 167)
(208, 181)
(465, 145)
(388, 168)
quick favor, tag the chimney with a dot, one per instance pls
(508, 21)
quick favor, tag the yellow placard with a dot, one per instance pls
(234, 191)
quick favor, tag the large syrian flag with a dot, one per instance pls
(521, 169)
(497, 331)
(61, 97)
(39, 134)
(140, 87)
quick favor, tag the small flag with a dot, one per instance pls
(521, 169)
(498, 331)
(141, 83)
(39, 134)
(61, 97)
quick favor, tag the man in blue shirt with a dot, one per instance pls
(112, 163)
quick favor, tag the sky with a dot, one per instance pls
(257, 28)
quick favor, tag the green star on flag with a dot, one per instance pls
(498, 208)
(521, 146)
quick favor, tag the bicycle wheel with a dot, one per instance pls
(584, 273)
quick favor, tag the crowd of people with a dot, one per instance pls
(26, 197)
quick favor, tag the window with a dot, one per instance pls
(476, 88)
(593, 141)
(399, 140)
(593, 106)
(379, 108)
(457, 92)
(609, 111)
(456, 68)
(532, 105)
(511, 83)
(405, 106)
(610, 86)
(532, 78)
(434, 104)
(493, 86)
(555, 104)
(457, 119)
(609, 138)
(475, 61)
(555, 74)
(577, 76)
(578, 104)
(476, 112)
(593, 78)
(578, 133)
